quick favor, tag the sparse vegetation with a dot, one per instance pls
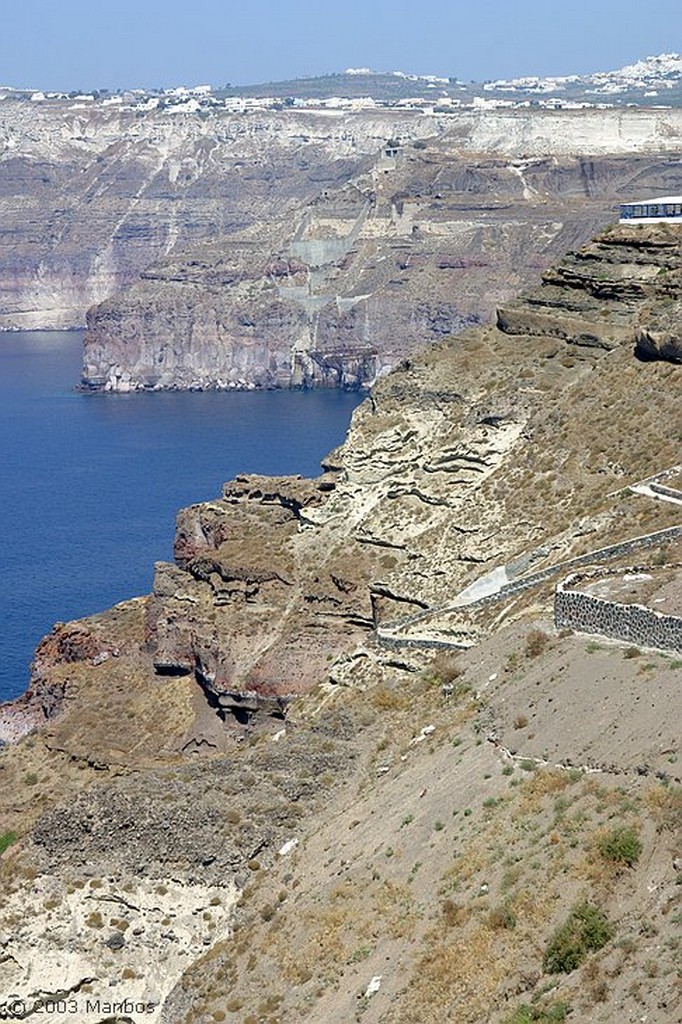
(453, 913)
(6, 841)
(529, 1014)
(536, 643)
(586, 930)
(444, 669)
(621, 845)
(502, 917)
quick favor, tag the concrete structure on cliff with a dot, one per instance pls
(665, 208)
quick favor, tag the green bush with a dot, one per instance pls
(621, 845)
(526, 1014)
(585, 930)
(6, 840)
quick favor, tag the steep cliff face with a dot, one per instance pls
(337, 293)
(507, 448)
(91, 195)
(463, 461)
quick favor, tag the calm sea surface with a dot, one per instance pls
(90, 484)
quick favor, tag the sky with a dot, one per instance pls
(111, 44)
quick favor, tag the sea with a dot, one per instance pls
(90, 483)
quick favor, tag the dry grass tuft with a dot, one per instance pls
(536, 643)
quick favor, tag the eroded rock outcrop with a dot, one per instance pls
(458, 462)
(623, 286)
(502, 447)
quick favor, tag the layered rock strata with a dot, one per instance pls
(91, 194)
(341, 290)
(465, 459)
(508, 449)
(337, 259)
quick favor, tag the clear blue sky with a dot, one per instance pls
(89, 44)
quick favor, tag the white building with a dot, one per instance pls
(665, 208)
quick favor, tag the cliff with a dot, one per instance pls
(448, 471)
(91, 194)
(415, 246)
(340, 763)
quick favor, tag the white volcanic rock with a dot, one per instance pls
(81, 949)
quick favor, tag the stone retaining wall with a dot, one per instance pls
(522, 583)
(634, 623)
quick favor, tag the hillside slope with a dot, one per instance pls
(310, 779)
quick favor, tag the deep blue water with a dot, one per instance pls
(90, 484)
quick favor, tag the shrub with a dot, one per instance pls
(454, 914)
(621, 845)
(585, 930)
(536, 642)
(661, 557)
(444, 669)
(6, 840)
(502, 917)
(526, 1014)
